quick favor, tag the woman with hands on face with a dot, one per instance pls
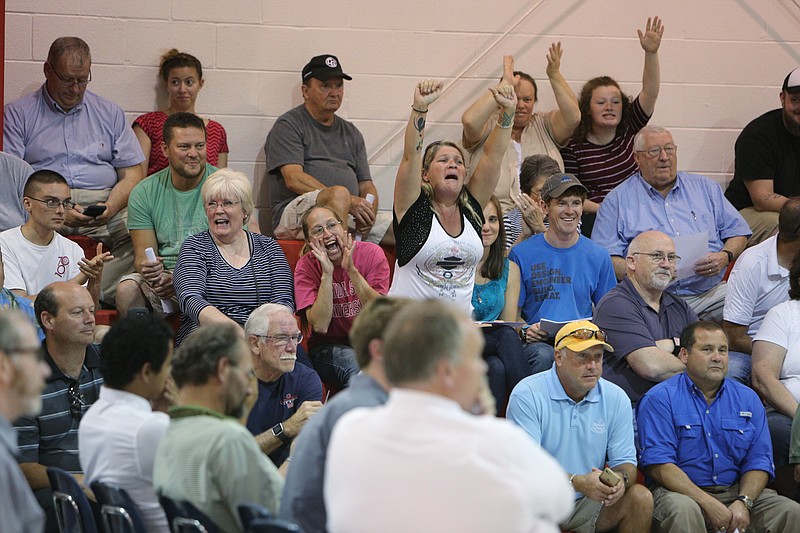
(438, 213)
(334, 278)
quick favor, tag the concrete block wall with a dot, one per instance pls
(722, 61)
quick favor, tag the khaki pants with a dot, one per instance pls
(763, 224)
(771, 513)
(113, 235)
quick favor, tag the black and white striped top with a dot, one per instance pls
(202, 277)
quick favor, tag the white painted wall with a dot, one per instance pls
(722, 61)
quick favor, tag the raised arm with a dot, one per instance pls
(651, 76)
(475, 120)
(409, 174)
(487, 171)
(566, 118)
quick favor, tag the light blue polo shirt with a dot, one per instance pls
(594, 432)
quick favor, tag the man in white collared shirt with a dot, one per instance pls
(120, 432)
(455, 471)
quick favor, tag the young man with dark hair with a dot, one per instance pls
(562, 273)
(119, 434)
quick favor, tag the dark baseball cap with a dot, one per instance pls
(792, 82)
(323, 68)
(557, 184)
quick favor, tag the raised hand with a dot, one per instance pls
(93, 268)
(346, 245)
(505, 96)
(426, 92)
(651, 38)
(554, 59)
(321, 253)
(508, 71)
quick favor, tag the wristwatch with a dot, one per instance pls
(277, 430)
(729, 254)
(746, 501)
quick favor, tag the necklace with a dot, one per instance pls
(237, 254)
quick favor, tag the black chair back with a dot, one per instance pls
(73, 510)
(119, 512)
(183, 517)
(272, 525)
(250, 511)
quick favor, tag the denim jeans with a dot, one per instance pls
(540, 356)
(335, 364)
(507, 364)
(739, 367)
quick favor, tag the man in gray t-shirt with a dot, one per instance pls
(315, 157)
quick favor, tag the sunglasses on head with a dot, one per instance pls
(584, 334)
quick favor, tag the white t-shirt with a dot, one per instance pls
(31, 267)
(421, 463)
(117, 441)
(781, 326)
(757, 284)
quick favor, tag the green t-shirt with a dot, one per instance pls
(156, 205)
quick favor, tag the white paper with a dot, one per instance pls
(166, 305)
(370, 198)
(690, 248)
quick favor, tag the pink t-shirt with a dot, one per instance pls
(369, 260)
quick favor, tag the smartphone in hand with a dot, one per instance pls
(609, 478)
(94, 210)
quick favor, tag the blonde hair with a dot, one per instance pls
(227, 181)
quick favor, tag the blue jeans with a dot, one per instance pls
(507, 364)
(540, 356)
(335, 364)
(780, 431)
(739, 367)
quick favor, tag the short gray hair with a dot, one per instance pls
(638, 140)
(74, 46)
(196, 359)
(258, 321)
(422, 334)
(227, 181)
(10, 330)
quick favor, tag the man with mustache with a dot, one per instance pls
(679, 204)
(644, 321)
(768, 162)
(706, 446)
(585, 422)
(288, 394)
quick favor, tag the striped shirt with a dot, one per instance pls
(51, 438)
(601, 168)
(203, 278)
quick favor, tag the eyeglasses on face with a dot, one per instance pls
(69, 82)
(76, 402)
(658, 257)
(317, 231)
(654, 152)
(584, 334)
(53, 203)
(283, 340)
(227, 205)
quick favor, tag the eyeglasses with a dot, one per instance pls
(37, 353)
(652, 153)
(75, 400)
(584, 334)
(658, 257)
(226, 205)
(283, 340)
(317, 231)
(69, 82)
(53, 204)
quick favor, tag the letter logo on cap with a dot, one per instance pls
(331, 62)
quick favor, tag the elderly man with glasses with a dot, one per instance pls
(643, 320)
(65, 311)
(85, 138)
(288, 394)
(586, 423)
(681, 205)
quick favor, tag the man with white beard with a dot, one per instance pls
(643, 321)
